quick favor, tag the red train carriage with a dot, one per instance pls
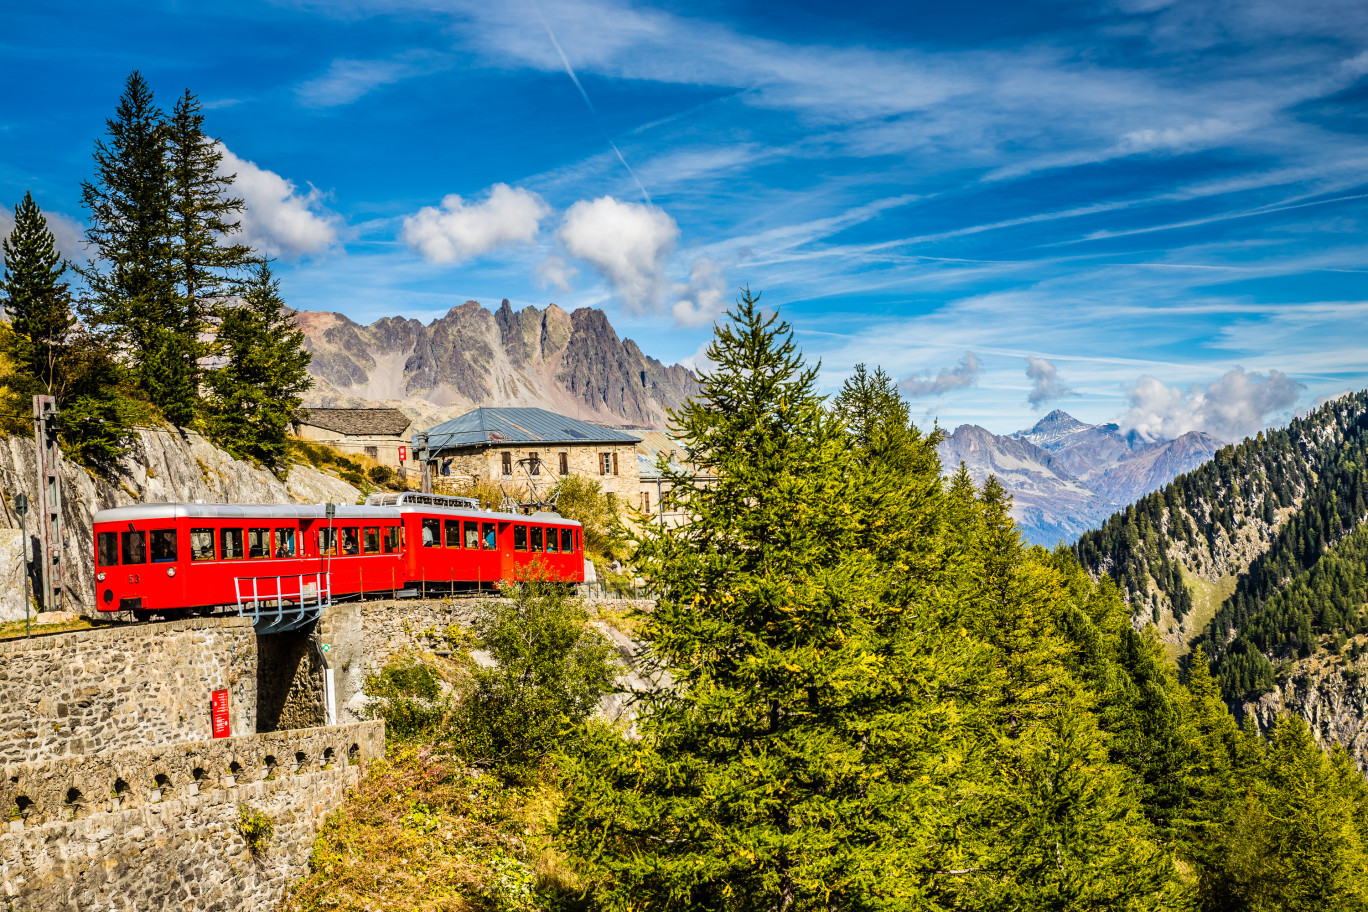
(163, 557)
(452, 543)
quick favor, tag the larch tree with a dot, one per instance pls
(255, 395)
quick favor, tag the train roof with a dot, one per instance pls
(240, 511)
(447, 505)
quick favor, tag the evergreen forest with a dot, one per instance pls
(867, 694)
(172, 320)
(1297, 497)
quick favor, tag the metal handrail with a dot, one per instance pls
(250, 604)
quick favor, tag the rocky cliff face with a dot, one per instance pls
(572, 363)
(162, 466)
(1066, 476)
(1330, 693)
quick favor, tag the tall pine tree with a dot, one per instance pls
(132, 284)
(255, 395)
(46, 351)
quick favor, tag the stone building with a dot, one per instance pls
(531, 448)
(374, 432)
(651, 483)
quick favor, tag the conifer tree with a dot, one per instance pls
(46, 351)
(204, 216)
(132, 285)
(256, 394)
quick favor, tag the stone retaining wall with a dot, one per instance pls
(180, 845)
(90, 691)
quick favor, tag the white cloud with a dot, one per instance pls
(67, 233)
(348, 80)
(460, 230)
(554, 272)
(963, 374)
(1230, 408)
(627, 243)
(280, 220)
(1046, 382)
(700, 302)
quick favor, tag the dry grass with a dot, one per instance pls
(424, 832)
(16, 629)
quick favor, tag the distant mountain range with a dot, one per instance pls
(571, 363)
(1067, 477)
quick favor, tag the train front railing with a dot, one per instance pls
(280, 603)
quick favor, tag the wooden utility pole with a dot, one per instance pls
(49, 514)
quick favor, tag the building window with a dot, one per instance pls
(605, 463)
(534, 464)
(645, 501)
(373, 452)
(615, 463)
(565, 463)
(507, 463)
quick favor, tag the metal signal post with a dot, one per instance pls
(49, 499)
(20, 508)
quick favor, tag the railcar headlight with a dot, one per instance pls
(100, 576)
(170, 571)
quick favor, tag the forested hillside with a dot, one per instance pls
(1269, 536)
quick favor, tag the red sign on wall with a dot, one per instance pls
(403, 453)
(219, 703)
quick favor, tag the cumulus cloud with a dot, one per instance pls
(554, 272)
(626, 243)
(1230, 408)
(963, 374)
(67, 233)
(279, 220)
(1046, 384)
(700, 301)
(459, 230)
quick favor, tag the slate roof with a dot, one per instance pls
(357, 422)
(519, 426)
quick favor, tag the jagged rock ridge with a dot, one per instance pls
(1066, 476)
(572, 363)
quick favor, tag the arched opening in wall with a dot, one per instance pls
(301, 759)
(23, 806)
(268, 767)
(354, 755)
(120, 788)
(161, 786)
(73, 802)
(199, 775)
(235, 770)
(328, 755)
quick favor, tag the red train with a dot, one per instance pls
(279, 561)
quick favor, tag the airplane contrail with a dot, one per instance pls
(570, 71)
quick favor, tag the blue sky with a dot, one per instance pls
(1137, 211)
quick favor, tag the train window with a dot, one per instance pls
(230, 544)
(552, 541)
(567, 541)
(472, 535)
(453, 533)
(579, 542)
(201, 544)
(487, 533)
(258, 542)
(392, 540)
(370, 540)
(107, 545)
(432, 533)
(519, 538)
(284, 542)
(350, 542)
(536, 538)
(134, 547)
(327, 542)
(163, 546)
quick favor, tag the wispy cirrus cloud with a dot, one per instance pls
(347, 80)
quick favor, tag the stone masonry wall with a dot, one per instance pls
(91, 691)
(290, 682)
(583, 460)
(158, 828)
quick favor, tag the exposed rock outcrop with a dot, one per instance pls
(572, 363)
(161, 466)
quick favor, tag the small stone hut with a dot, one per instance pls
(374, 432)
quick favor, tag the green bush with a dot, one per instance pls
(256, 828)
(408, 695)
(383, 476)
(583, 499)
